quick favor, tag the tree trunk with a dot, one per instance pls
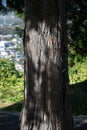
(46, 105)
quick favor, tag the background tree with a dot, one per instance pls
(78, 27)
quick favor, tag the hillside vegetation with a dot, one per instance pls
(78, 69)
(11, 82)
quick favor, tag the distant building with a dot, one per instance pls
(7, 50)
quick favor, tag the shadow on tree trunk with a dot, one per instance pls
(46, 105)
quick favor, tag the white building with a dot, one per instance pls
(7, 50)
(4, 48)
(2, 45)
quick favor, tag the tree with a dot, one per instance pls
(78, 27)
(46, 101)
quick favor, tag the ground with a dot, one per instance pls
(11, 121)
(9, 118)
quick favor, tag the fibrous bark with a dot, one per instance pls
(46, 105)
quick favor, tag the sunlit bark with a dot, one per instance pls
(46, 105)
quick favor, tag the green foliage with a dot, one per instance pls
(11, 82)
(77, 69)
(78, 25)
(74, 57)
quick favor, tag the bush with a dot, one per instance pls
(11, 82)
(78, 72)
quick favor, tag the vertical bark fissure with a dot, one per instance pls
(63, 69)
(45, 67)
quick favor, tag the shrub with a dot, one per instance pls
(78, 72)
(11, 82)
